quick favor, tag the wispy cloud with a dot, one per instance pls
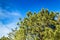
(9, 16)
(5, 29)
(8, 20)
(5, 13)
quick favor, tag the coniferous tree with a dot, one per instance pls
(39, 26)
(4, 38)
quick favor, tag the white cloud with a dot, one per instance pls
(5, 29)
(13, 16)
(5, 13)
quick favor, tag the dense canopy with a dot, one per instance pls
(44, 25)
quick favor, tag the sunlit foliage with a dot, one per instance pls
(38, 26)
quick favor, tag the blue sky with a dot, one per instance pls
(12, 10)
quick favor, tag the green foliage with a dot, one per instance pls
(4, 38)
(38, 26)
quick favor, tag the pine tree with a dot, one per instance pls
(4, 38)
(39, 26)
